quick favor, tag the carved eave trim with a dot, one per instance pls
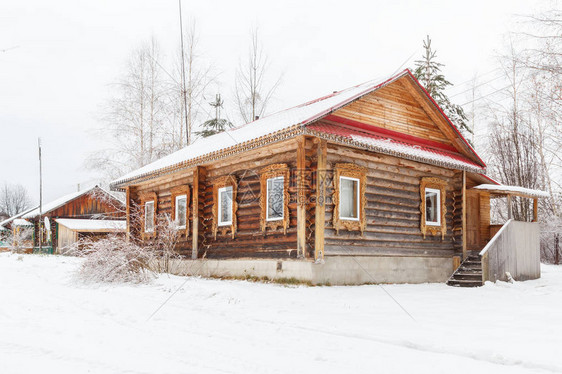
(275, 137)
(272, 171)
(360, 145)
(178, 191)
(225, 181)
(441, 185)
(352, 171)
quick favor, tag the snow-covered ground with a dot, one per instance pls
(49, 323)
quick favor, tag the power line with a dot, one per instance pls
(470, 80)
(479, 85)
(491, 93)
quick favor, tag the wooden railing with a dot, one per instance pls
(514, 249)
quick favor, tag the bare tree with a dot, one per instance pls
(513, 140)
(252, 92)
(185, 104)
(133, 117)
(14, 199)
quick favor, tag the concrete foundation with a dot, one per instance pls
(336, 270)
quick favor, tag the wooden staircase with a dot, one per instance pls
(469, 274)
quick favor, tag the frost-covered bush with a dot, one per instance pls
(114, 259)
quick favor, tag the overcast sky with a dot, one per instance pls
(69, 52)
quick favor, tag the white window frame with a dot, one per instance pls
(438, 206)
(267, 200)
(146, 205)
(358, 199)
(179, 197)
(220, 221)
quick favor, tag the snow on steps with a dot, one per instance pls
(469, 274)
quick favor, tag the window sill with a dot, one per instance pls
(274, 219)
(349, 219)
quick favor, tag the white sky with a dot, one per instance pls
(69, 52)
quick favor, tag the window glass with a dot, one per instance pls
(149, 216)
(181, 211)
(432, 202)
(349, 195)
(225, 205)
(275, 188)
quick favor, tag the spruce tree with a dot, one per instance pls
(217, 124)
(428, 72)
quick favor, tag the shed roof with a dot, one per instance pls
(283, 122)
(502, 189)
(22, 222)
(92, 225)
(57, 203)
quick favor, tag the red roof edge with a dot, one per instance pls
(446, 117)
(490, 179)
(345, 102)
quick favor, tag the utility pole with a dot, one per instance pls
(40, 198)
(183, 89)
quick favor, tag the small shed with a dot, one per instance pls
(71, 230)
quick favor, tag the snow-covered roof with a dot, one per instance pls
(395, 147)
(92, 224)
(57, 203)
(280, 122)
(271, 124)
(9, 220)
(512, 189)
(22, 222)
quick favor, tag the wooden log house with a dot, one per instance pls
(77, 208)
(366, 185)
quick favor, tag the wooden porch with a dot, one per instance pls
(494, 252)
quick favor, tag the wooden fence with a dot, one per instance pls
(514, 249)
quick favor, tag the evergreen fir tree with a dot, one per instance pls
(217, 124)
(428, 72)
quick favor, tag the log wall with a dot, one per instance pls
(393, 208)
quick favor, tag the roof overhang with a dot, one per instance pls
(503, 190)
(295, 119)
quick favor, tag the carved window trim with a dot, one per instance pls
(352, 171)
(178, 191)
(145, 198)
(427, 227)
(274, 171)
(225, 181)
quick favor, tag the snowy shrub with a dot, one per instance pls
(114, 259)
(164, 244)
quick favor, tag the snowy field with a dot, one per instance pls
(50, 323)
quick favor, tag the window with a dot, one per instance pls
(432, 206)
(180, 208)
(149, 216)
(432, 202)
(225, 206)
(181, 211)
(149, 206)
(349, 198)
(274, 197)
(275, 192)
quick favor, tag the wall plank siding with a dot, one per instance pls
(394, 108)
(393, 208)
